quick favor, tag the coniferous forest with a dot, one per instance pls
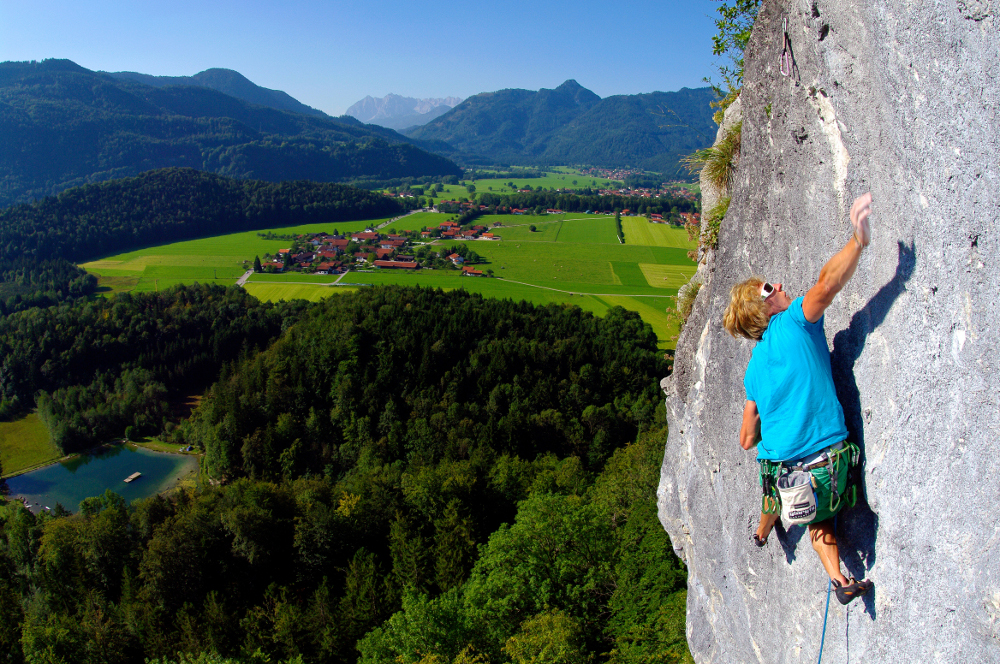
(407, 475)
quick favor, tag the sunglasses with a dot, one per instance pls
(766, 290)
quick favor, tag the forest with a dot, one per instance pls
(73, 355)
(408, 475)
(669, 206)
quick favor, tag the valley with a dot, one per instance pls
(435, 448)
(571, 259)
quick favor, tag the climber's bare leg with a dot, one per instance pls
(824, 540)
(766, 524)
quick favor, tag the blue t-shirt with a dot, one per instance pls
(790, 379)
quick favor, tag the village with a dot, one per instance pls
(333, 254)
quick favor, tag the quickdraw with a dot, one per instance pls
(785, 59)
(769, 471)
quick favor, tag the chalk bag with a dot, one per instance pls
(798, 500)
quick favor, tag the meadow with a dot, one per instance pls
(25, 444)
(569, 259)
(272, 292)
(219, 259)
(639, 231)
(561, 179)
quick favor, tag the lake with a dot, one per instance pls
(69, 482)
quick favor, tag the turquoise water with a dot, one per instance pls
(69, 482)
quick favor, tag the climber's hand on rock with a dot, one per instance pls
(860, 210)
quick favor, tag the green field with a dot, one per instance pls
(552, 180)
(216, 259)
(417, 221)
(292, 291)
(570, 258)
(638, 230)
(25, 444)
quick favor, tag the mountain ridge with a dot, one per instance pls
(571, 124)
(71, 126)
(228, 82)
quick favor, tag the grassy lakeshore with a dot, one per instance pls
(25, 445)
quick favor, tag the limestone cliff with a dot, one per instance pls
(900, 98)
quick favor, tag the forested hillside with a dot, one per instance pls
(571, 124)
(172, 204)
(453, 473)
(65, 126)
(38, 240)
(228, 82)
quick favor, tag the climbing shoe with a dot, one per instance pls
(758, 540)
(854, 589)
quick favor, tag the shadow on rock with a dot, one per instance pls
(789, 539)
(857, 528)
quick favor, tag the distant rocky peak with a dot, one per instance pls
(393, 105)
(396, 111)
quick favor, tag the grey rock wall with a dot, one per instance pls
(900, 98)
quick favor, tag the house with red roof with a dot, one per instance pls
(469, 271)
(399, 265)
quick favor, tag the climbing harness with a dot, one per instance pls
(785, 59)
(773, 474)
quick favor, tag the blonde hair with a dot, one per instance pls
(747, 314)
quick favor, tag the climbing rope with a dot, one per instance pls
(829, 587)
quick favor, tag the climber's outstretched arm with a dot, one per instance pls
(839, 269)
(750, 431)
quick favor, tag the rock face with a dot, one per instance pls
(901, 99)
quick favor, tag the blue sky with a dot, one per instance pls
(331, 54)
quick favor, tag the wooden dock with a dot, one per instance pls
(133, 476)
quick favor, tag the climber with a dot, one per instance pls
(792, 414)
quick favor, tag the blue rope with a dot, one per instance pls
(829, 585)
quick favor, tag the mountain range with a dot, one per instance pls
(64, 125)
(396, 112)
(228, 82)
(572, 125)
